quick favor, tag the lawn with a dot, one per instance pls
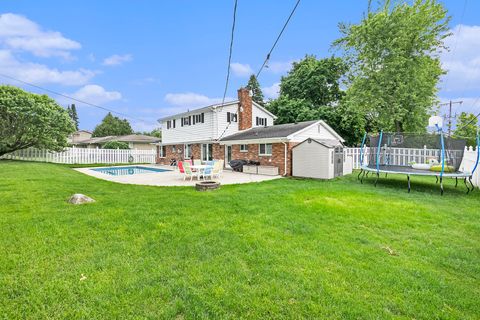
(281, 249)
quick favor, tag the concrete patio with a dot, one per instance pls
(173, 177)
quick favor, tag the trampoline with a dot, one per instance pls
(415, 155)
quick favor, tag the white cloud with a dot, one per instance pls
(463, 59)
(191, 100)
(21, 34)
(116, 59)
(96, 94)
(279, 66)
(41, 74)
(241, 70)
(272, 91)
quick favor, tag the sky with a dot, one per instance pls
(149, 59)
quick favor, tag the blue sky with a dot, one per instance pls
(154, 58)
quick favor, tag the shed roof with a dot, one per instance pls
(329, 143)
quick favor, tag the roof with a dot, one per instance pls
(212, 107)
(329, 143)
(78, 131)
(139, 138)
(275, 131)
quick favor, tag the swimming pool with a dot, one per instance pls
(126, 171)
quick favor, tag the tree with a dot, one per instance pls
(115, 145)
(395, 68)
(154, 133)
(31, 120)
(309, 86)
(467, 126)
(254, 86)
(72, 112)
(112, 126)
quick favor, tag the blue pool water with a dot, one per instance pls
(124, 171)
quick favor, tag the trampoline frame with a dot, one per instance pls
(364, 170)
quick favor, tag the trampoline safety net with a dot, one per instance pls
(404, 152)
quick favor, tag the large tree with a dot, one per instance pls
(395, 68)
(254, 86)
(467, 126)
(31, 120)
(72, 112)
(112, 126)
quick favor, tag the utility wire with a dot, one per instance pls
(230, 52)
(278, 38)
(74, 99)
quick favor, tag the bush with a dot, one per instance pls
(115, 145)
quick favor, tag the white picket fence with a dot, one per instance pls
(84, 156)
(404, 156)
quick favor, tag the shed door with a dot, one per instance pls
(338, 162)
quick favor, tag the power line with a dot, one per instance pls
(278, 38)
(230, 52)
(74, 99)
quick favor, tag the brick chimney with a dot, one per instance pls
(244, 109)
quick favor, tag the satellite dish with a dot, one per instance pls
(435, 121)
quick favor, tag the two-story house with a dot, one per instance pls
(240, 129)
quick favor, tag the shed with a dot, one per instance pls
(321, 159)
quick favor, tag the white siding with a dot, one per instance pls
(312, 160)
(194, 132)
(314, 133)
(221, 115)
(257, 112)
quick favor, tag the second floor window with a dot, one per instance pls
(198, 118)
(261, 122)
(231, 117)
(171, 124)
(186, 121)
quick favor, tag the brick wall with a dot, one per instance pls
(196, 150)
(276, 159)
(244, 109)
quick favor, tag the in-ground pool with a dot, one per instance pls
(125, 171)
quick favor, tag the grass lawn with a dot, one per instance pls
(281, 249)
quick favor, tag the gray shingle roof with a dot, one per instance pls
(276, 131)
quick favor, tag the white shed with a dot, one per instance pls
(321, 159)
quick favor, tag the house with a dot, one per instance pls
(78, 136)
(135, 141)
(240, 129)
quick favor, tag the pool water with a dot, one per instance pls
(126, 171)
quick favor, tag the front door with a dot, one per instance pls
(228, 156)
(338, 162)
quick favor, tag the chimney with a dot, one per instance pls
(244, 109)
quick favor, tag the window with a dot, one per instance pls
(174, 149)
(231, 117)
(265, 149)
(207, 152)
(243, 148)
(188, 151)
(171, 124)
(162, 151)
(261, 121)
(198, 118)
(186, 121)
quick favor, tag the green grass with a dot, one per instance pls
(281, 249)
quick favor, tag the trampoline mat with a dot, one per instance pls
(410, 171)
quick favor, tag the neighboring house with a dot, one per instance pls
(135, 141)
(78, 136)
(239, 129)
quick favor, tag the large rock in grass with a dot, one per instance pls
(79, 198)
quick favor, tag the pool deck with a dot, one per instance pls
(173, 178)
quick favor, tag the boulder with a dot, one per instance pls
(79, 198)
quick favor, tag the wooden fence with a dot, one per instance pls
(84, 156)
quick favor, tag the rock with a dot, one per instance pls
(79, 198)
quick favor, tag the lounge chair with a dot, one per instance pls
(197, 162)
(188, 171)
(208, 171)
(180, 167)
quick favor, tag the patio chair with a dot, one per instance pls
(188, 160)
(216, 170)
(197, 162)
(188, 171)
(208, 172)
(180, 167)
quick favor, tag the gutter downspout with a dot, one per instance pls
(285, 159)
